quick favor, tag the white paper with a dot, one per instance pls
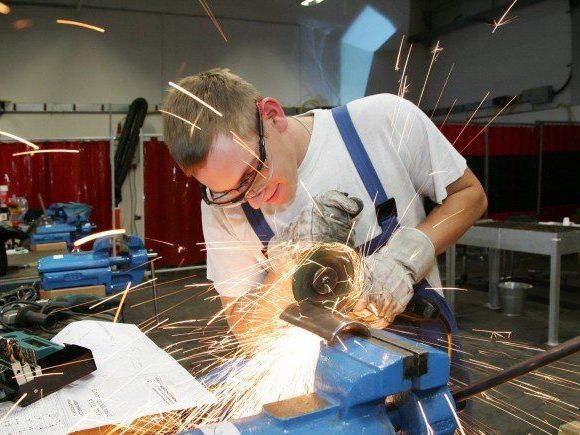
(134, 378)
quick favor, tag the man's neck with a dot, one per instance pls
(300, 132)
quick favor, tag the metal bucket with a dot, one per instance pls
(513, 297)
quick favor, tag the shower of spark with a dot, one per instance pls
(81, 24)
(19, 139)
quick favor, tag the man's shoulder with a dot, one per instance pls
(378, 108)
(384, 102)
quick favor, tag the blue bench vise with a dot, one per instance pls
(358, 371)
(96, 267)
(63, 222)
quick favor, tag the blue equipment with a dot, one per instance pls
(354, 377)
(64, 222)
(32, 367)
(96, 267)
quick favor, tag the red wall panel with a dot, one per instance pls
(172, 209)
(466, 141)
(61, 177)
(561, 138)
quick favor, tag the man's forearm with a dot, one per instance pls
(465, 203)
(256, 313)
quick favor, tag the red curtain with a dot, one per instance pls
(466, 141)
(61, 177)
(514, 156)
(172, 209)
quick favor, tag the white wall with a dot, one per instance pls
(534, 50)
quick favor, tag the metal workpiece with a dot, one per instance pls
(535, 362)
(323, 322)
(324, 275)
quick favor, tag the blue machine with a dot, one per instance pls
(64, 222)
(96, 267)
(354, 378)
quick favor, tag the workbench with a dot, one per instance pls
(551, 240)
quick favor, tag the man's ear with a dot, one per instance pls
(272, 110)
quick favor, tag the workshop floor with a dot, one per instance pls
(483, 352)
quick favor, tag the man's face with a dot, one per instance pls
(229, 165)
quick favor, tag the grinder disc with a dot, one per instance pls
(323, 276)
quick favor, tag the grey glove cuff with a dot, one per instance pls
(414, 250)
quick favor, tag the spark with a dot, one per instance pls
(160, 241)
(195, 97)
(20, 399)
(446, 288)
(500, 21)
(81, 24)
(442, 90)
(470, 118)
(193, 125)
(448, 113)
(4, 8)
(312, 199)
(403, 79)
(435, 52)
(447, 218)
(500, 334)
(30, 153)
(19, 139)
(107, 233)
(122, 302)
(429, 429)
(237, 139)
(399, 53)
(116, 295)
(490, 121)
(155, 326)
(452, 408)
(213, 19)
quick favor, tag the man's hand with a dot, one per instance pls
(330, 218)
(392, 272)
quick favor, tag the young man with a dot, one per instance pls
(261, 169)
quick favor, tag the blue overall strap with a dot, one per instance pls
(385, 208)
(258, 223)
(359, 155)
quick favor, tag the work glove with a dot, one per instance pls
(327, 219)
(391, 274)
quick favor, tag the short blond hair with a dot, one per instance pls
(228, 93)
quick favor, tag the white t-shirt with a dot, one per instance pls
(410, 155)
